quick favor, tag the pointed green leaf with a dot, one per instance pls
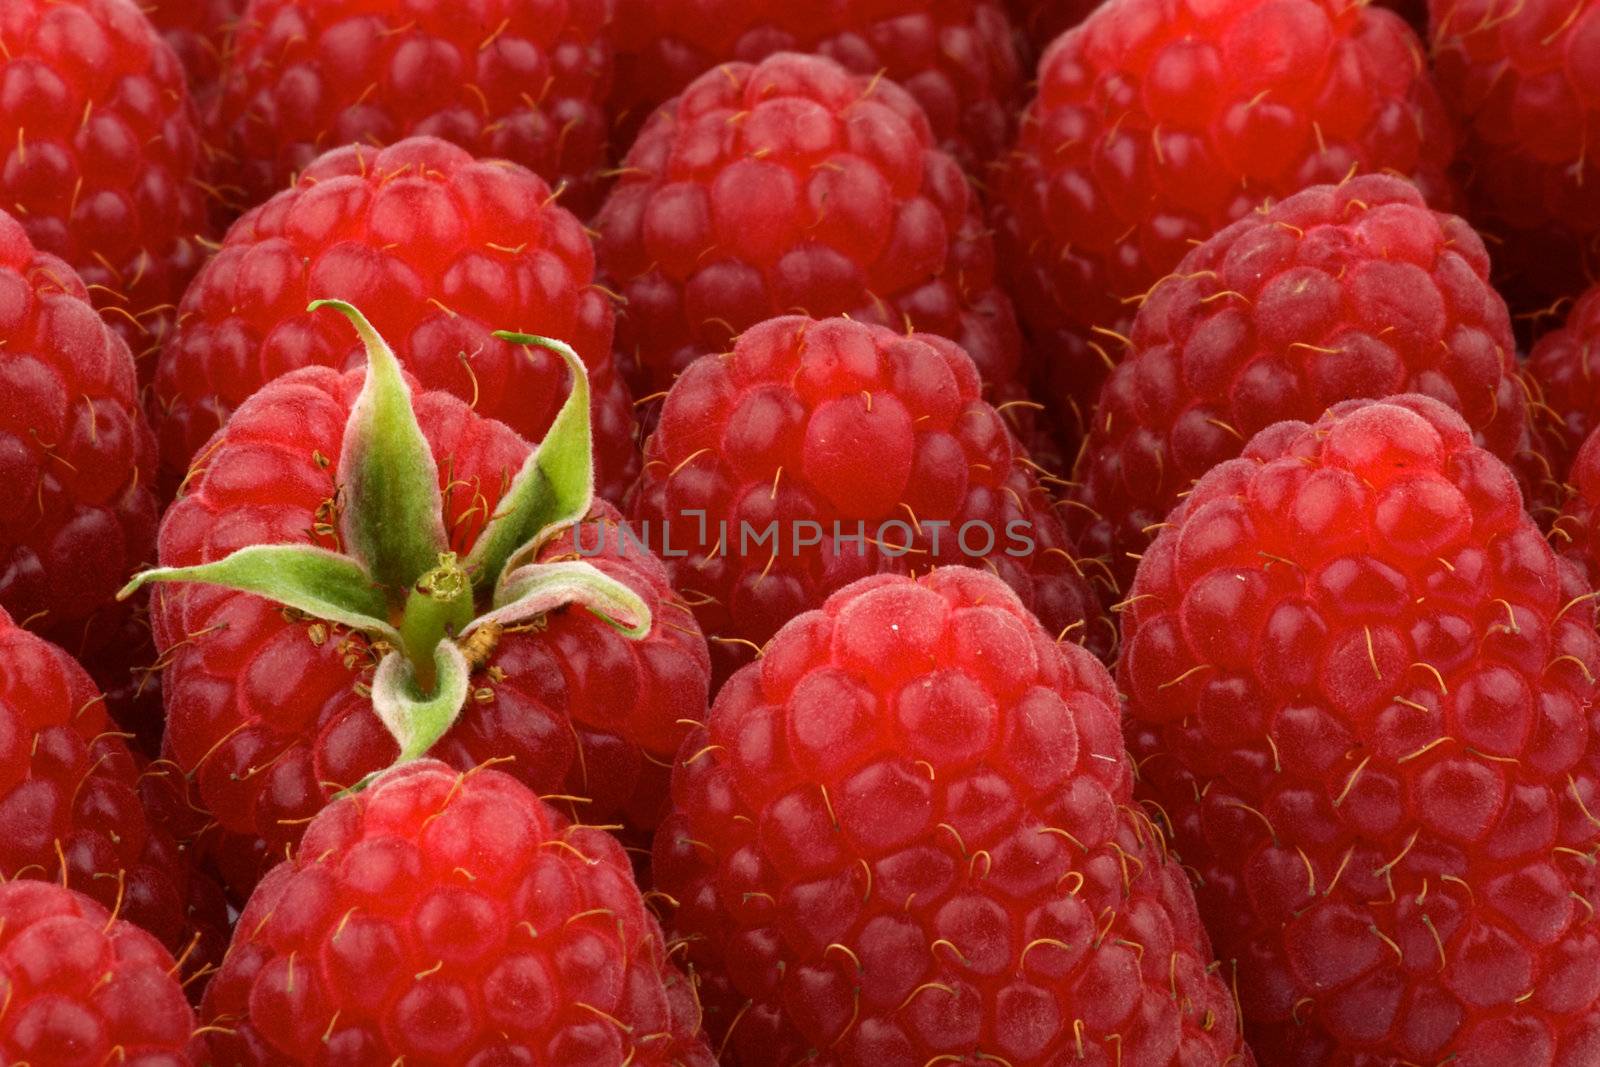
(555, 487)
(531, 591)
(320, 583)
(393, 519)
(416, 719)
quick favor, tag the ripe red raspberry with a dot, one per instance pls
(795, 186)
(1355, 290)
(1566, 388)
(958, 58)
(1362, 693)
(522, 80)
(82, 987)
(440, 250)
(1576, 531)
(77, 459)
(70, 798)
(1522, 79)
(442, 918)
(198, 32)
(272, 710)
(908, 835)
(881, 444)
(101, 153)
(1159, 122)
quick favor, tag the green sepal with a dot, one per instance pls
(320, 583)
(393, 515)
(416, 719)
(531, 591)
(555, 486)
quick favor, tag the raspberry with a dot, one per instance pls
(70, 797)
(440, 250)
(1159, 122)
(1519, 77)
(957, 57)
(101, 155)
(1355, 290)
(76, 456)
(522, 80)
(198, 32)
(445, 918)
(908, 835)
(876, 439)
(1566, 389)
(273, 711)
(82, 987)
(796, 185)
(1576, 532)
(1362, 692)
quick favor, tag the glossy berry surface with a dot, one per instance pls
(1338, 292)
(451, 919)
(70, 796)
(1565, 380)
(795, 186)
(863, 433)
(440, 250)
(1158, 122)
(522, 80)
(1522, 80)
(958, 58)
(907, 835)
(77, 458)
(83, 987)
(1361, 688)
(102, 153)
(198, 31)
(271, 712)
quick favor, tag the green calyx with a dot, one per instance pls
(398, 580)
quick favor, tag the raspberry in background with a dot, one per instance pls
(81, 986)
(272, 709)
(1522, 80)
(862, 432)
(1576, 531)
(77, 459)
(794, 186)
(1565, 386)
(908, 835)
(522, 80)
(1042, 21)
(1338, 292)
(957, 57)
(70, 797)
(101, 155)
(1159, 122)
(198, 32)
(439, 250)
(1361, 688)
(445, 918)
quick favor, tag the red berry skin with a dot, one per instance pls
(853, 427)
(1576, 531)
(439, 250)
(1519, 79)
(793, 186)
(198, 32)
(1363, 692)
(70, 794)
(958, 58)
(1565, 385)
(451, 920)
(271, 714)
(84, 987)
(1338, 292)
(77, 458)
(102, 154)
(522, 80)
(1159, 122)
(908, 833)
